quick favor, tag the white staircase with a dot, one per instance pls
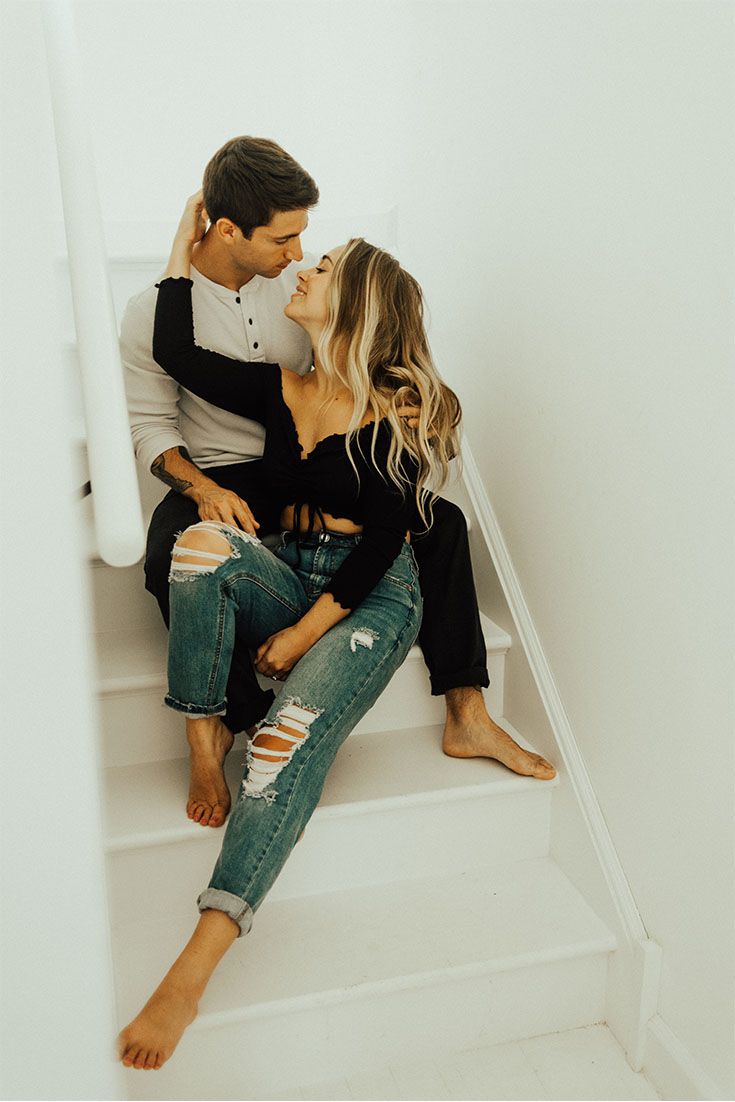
(419, 915)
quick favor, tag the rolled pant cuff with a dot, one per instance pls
(195, 711)
(214, 899)
(462, 679)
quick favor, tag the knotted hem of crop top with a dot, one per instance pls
(314, 511)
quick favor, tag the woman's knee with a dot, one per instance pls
(201, 549)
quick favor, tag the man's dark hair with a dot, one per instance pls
(250, 179)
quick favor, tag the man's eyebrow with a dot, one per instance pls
(288, 236)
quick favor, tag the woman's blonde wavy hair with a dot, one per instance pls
(374, 343)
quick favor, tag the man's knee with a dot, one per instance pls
(449, 516)
(449, 526)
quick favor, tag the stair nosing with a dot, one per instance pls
(189, 831)
(498, 644)
(407, 981)
(570, 931)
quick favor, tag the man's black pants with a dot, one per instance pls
(450, 637)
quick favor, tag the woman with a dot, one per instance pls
(340, 597)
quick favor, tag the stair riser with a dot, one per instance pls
(341, 852)
(261, 1056)
(137, 727)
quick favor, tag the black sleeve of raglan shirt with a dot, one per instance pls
(241, 387)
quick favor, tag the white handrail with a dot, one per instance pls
(117, 511)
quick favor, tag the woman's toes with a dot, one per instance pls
(130, 1054)
(151, 1060)
(140, 1059)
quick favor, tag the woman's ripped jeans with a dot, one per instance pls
(243, 590)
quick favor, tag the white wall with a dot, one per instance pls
(563, 174)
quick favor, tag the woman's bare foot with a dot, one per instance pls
(151, 1038)
(471, 733)
(209, 797)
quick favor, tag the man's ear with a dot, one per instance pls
(225, 229)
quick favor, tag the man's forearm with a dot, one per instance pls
(175, 468)
(213, 502)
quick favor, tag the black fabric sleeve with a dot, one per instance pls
(236, 385)
(387, 516)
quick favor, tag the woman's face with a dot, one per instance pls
(308, 305)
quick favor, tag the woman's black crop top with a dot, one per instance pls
(322, 480)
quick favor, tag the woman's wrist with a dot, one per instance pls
(179, 262)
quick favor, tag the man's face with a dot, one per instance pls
(271, 248)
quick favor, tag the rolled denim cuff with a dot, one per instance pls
(214, 899)
(196, 711)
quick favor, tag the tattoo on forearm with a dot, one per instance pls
(158, 468)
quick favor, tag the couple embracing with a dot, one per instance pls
(303, 402)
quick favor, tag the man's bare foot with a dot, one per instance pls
(471, 733)
(151, 1038)
(209, 797)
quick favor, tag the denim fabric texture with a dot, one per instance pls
(255, 593)
(451, 634)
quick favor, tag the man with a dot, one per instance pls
(257, 199)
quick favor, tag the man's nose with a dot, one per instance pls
(294, 251)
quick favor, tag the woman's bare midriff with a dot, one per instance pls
(340, 525)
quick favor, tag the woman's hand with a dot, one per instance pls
(279, 654)
(193, 223)
(192, 227)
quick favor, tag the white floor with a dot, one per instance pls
(579, 1064)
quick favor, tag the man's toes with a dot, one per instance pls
(205, 816)
(543, 767)
(218, 816)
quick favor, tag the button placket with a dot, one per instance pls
(252, 331)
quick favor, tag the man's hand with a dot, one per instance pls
(410, 414)
(175, 468)
(280, 652)
(214, 503)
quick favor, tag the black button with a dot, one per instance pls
(250, 321)
(255, 345)
(237, 299)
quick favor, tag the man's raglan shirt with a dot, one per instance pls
(248, 324)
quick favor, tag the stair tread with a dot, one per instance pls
(136, 658)
(146, 803)
(325, 948)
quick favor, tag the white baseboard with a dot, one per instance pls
(634, 975)
(672, 1069)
